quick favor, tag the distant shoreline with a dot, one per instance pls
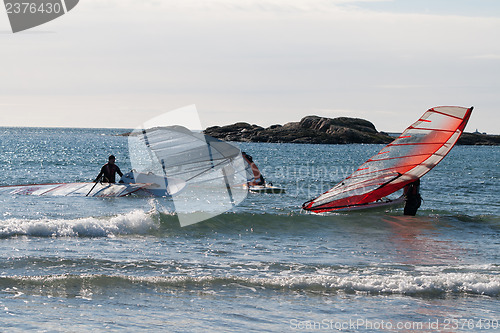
(321, 130)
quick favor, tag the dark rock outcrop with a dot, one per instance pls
(311, 129)
(479, 139)
(314, 129)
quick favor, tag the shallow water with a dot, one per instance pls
(110, 264)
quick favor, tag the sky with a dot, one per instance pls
(118, 63)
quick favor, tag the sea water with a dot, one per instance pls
(125, 264)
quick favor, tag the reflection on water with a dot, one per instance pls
(419, 242)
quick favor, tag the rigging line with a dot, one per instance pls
(185, 146)
(164, 173)
(228, 187)
(204, 171)
(148, 145)
(162, 161)
(343, 188)
(389, 181)
(384, 184)
(210, 154)
(355, 187)
(195, 162)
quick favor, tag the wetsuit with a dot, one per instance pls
(108, 172)
(413, 198)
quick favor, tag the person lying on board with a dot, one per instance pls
(109, 171)
(412, 197)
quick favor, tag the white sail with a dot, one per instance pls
(213, 170)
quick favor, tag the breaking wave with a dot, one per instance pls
(438, 285)
(155, 222)
(135, 222)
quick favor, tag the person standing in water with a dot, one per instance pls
(109, 171)
(413, 200)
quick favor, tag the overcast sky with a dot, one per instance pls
(117, 63)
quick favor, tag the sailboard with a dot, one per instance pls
(414, 153)
(73, 189)
(266, 188)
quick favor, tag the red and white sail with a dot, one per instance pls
(416, 151)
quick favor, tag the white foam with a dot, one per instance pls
(444, 283)
(399, 283)
(134, 222)
(473, 283)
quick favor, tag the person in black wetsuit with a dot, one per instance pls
(108, 171)
(412, 197)
(258, 178)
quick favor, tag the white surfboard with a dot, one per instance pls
(73, 189)
(384, 203)
(265, 189)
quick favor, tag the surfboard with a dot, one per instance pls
(382, 204)
(73, 189)
(265, 189)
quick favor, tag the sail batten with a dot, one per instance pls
(432, 129)
(410, 156)
(416, 144)
(397, 157)
(374, 172)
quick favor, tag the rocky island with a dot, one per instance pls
(314, 129)
(311, 129)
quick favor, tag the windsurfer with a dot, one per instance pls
(412, 198)
(109, 171)
(258, 179)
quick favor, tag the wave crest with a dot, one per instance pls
(134, 222)
(423, 285)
